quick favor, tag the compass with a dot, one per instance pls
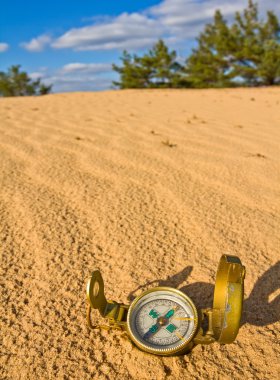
(165, 321)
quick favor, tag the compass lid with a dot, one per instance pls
(95, 292)
(228, 299)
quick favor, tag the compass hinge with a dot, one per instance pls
(116, 314)
(208, 336)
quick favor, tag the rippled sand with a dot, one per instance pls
(151, 187)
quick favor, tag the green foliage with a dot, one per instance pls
(17, 83)
(269, 65)
(156, 69)
(209, 64)
(247, 53)
(131, 73)
(248, 50)
(163, 64)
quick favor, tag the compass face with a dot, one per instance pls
(162, 320)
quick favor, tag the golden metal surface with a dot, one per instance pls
(95, 292)
(162, 321)
(115, 312)
(228, 299)
(182, 319)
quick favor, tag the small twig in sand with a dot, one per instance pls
(168, 143)
(256, 155)
(154, 133)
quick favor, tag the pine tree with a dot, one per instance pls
(18, 83)
(208, 65)
(256, 55)
(132, 74)
(247, 53)
(247, 49)
(164, 65)
(156, 69)
(269, 66)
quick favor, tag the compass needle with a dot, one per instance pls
(179, 335)
(183, 319)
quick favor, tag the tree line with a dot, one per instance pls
(246, 53)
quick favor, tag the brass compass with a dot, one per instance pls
(165, 321)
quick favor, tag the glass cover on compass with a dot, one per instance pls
(162, 320)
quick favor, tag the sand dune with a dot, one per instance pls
(150, 187)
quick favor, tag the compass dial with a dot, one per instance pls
(162, 320)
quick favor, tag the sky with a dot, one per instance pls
(73, 44)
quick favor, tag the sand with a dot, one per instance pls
(151, 187)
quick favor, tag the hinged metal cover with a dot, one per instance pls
(228, 299)
(95, 292)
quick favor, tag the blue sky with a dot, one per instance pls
(73, 44)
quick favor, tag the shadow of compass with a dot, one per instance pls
(261, 308)
(173, 281)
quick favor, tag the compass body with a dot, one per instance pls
(165, 321)
(162, 321)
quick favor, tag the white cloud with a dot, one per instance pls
(77, 77)
(175, 13)
(99, 19)
(3, 47)
(126, 31)
(173, 20)
(77, 83)
(36, 75)
(37, 44)
(186, 18)
(66, 84)
(86, 68)
(271, 5)
(40, 73)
